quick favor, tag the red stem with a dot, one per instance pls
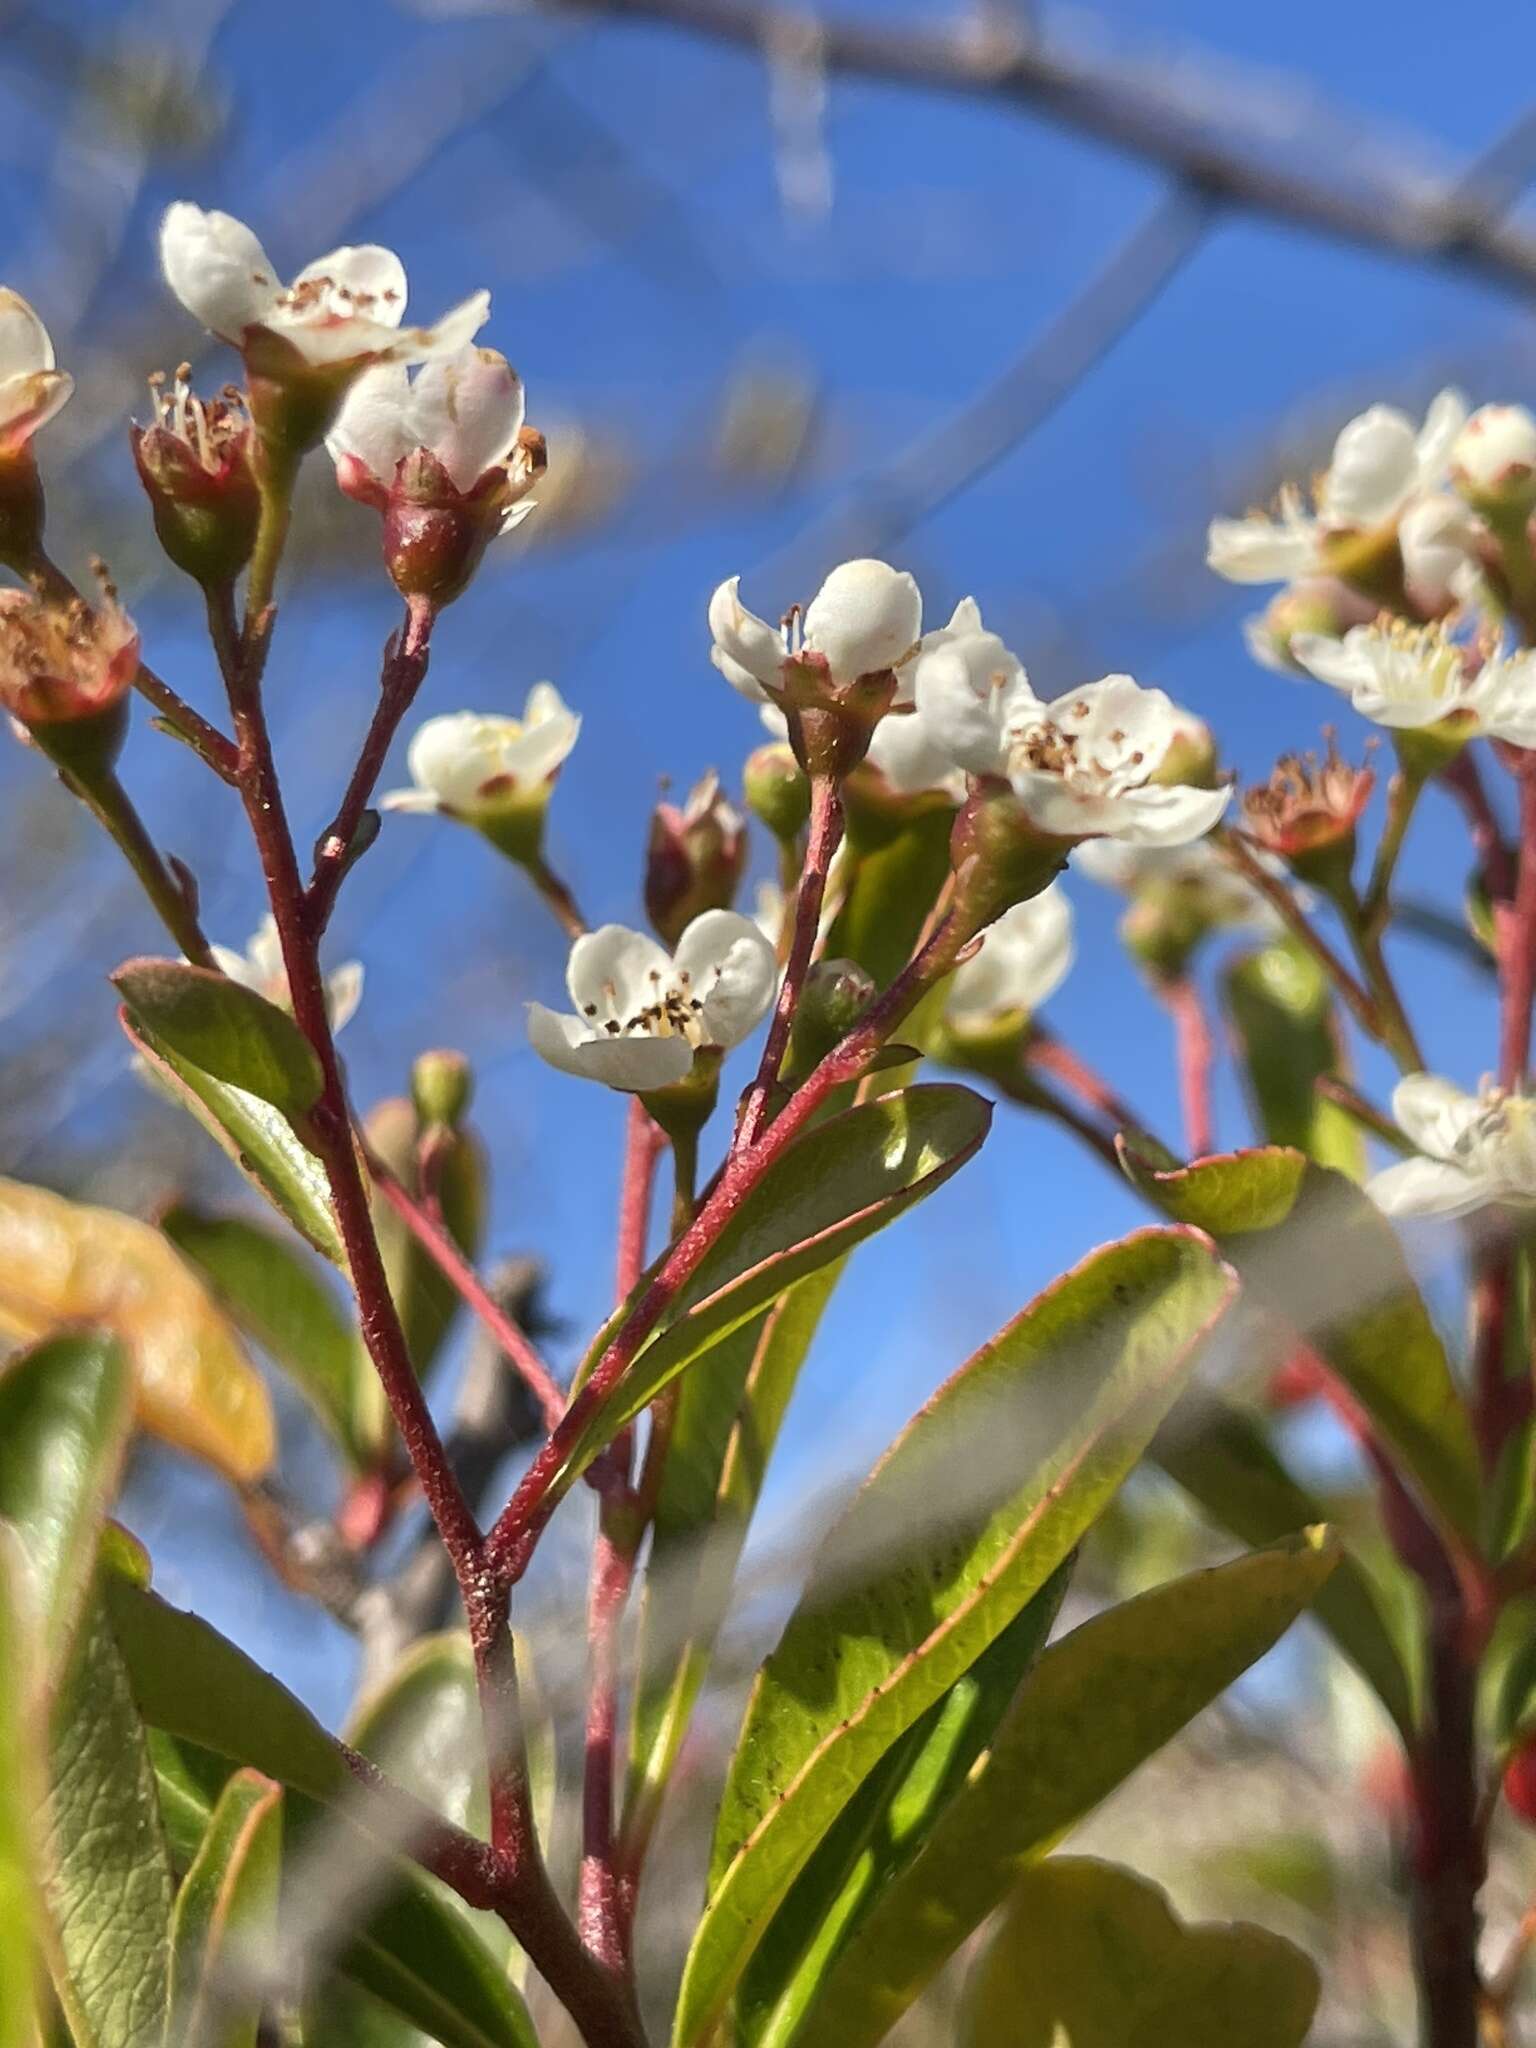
(643, 1146)
(1463, 778)
(1195, 1052)
(603, 1908)
(511, 1542)
(825, 833)
(1047, 1052)
(435, 1240)
(1519, 955)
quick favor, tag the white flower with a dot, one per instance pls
(1080, 767)
(1380, 464)
(1439, 538)
(260, 967)
(469, 762)
(1476, 1150)
(1024, 957)
(342, 308)
(1410, 677)
(641, 1013)
(31, 389)
(1226, 897)
(904, 751)
(867, 616)
(465, 409)
(1496, 446)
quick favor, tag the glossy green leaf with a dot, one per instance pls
(65, 1411)
(225, 1920)
(258, 1138)
(727, 1423)
(1092, 1955)
(1224, 1461)
(841, 1181)
(964, 1520)
(107, 1871)
(422, 1727)
(891, 893)
(882, 1827)
(272, 1291)
(21, 1782)
(224, 1029)
(415, 1968)
(1315, 1251)
(1282, 1009)
(1098, 1704)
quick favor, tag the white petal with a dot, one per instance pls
(747, 651)
(733, 970)
(1375, 466)
(550, 731)
(1340, 663)
(27, 403)
(218, 269)
(1433, 1112)
(1153, 816)
(1439, 538)
(1119, 711)
(373, 279)
(453, 755)
(904, 751)
(24, 343)
(343, 992)
(420, 801)
(967, 692)
(616, 972)
(965, 618)
(636, 1064)
(1437, 437)
(1428, 1187)
(446, 336)
(236, 966)
(1024, 958)
(1259, 550)
(866, 616)
(468, 409)
(374, 423)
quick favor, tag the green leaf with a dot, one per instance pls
(225, 1030)
(258, 1138)
(1315, 1251)
(1282, 1009)
(723, 1435)
(882, 1827)
(107, 1872)
(892, 891)
(964, 1520)
(1224, 1461)
(837, 1184)
(21, 1781)
(1098, 1704)
(226, 1918)
(274, 1294)
(1092, 1955)
(65, 1411)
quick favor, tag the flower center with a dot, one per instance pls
(1106, 765)
(673, 1011)
(322, 302)
(209, 427)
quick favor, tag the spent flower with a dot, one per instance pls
(195, 463)
(65, 672)
(1308, 809)
(642, 1013)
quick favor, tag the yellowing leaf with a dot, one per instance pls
(64, 1262)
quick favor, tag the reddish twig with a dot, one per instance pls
(603, 1912)
(643, 1146)
(1195, 1053)
(1518, 963)
(823, 837)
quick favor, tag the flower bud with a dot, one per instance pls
(1520, 1782)
(1306, 813)
(64, 675)
(777, 792)
(694, 859)
(999, 855)
(435, 535)
(1191, 756)
(1163, 925)
(1493, 463)
(195, 463)
(1317, 604)
(835, 994)
(442, 1083)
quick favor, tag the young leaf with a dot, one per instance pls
(882, 1827)
(65, 1262)
(276, 1297)
(1314, 1249)
(1089, 1953)
(963, 1521)
(225, 1029)
(65, 1410)
(21, 1780)
(107, 1872)
(225, 1920)
(836, 1185)
(1098, 1704)
(723, 1436)
(258, 1138)
(1225, 1462)
(1282, 1009)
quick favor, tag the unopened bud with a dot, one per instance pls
(1493, 463)
(777, 792)
(1190, 760)
(999, 855)
(1317, 604)
(1163, 925)
(835, 995)
(694, 859)
(442, 1083)
(435, 534)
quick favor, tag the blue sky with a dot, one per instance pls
(620, 203)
